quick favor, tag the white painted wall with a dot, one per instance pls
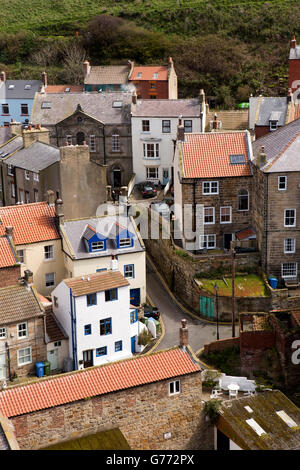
(155, 135)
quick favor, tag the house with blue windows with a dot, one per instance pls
(96, 314)
(16, 99)
(91, 245)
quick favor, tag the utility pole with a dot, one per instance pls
(233, 287)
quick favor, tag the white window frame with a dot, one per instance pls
(213, 215)
(285, 218)
(150, 178)
(96, 246)
(210, 185)
(48, 250)
(164, 127)
(146, 125)
(222, 215)
(284, 178)
(27, 175)
(3, 333)
(289, 276)
(175, 385)
(115, 143)
(273, 125)
(21, 255)
(286, 243)
(13, 190)
(92, 139)
(24, 356)
(240, 196)
(147, 150)
(124, 242)
(20, 330)
(186, 126)
(36, 177)
(52, 285)
(22, 105)
(10, 170)
(205, 240)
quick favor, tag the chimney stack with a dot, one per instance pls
(114, 265)
(44, 79)
(59, 211)
(180, 130)
(183, 334)
(261, 159)
(51, 198)
(293, 42)
(86, 68)
(2, 76)
(134, 97)
(28, 277)
(9, 231)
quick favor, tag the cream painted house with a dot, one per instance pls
(89, 245)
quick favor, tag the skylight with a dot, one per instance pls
(11, 87)
(139, 75)
(117, 104)
(46, 104)
(27, 87)
(237, 159)
(286, 418)
(67, 90)
(155, 75)
(247, 408)
(255, 426)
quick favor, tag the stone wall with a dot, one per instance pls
(143, 414)
(221, 344)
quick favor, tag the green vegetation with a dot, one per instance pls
(229, 48)
(249, 285)
(211, 409)
(106, 440)
(227, 360)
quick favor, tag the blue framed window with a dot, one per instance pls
(118, 346)
(124, 242)
(100, 270)
(129, 270)
(134, 316)
(105, 326)
(87, 329)
(111, 294)
(101, 351)
(91, 299)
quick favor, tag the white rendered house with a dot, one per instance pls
(154, 131)
(95, 312)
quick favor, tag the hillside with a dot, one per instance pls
(230, 49)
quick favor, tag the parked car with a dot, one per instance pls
(151, 312)
(147, 189)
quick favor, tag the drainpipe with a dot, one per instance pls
(73, 323)
(8, 360)
(104, 151)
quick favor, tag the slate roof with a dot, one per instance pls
(32, 223)
(121, 375)
(19, 90)
(147, 73)
(263, 109)
(98, 282)
(36, 157)
(278, 435)
(167, 108)
(18, 303)
(54, 330)
(7, 253)
(5, 135)
(97, 105)
(281, 147)
(75, 230)
(208, 155)
(107, 75)
(16, 143)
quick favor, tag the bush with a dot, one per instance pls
(144, 338)
(212, 408)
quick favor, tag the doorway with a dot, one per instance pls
(52, 357)
(165, 176)
(88, 358)
(80, 138)
(227, 239)
(116, 178)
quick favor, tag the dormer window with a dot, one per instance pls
(124, 242)
(95, 246)
(139, 75)
(273, 125)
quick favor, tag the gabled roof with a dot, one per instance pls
(281, 148)
(7, 253)
(148, 73)
(25, 89)
(36, 157)
(95, 381)
(98, 282)
(54, 330)
(63, 88)
(5, 135)
(265, 109)
(16, 143)
(265, 421)
(18, 303)
(31, 223)
(167, 108)
(208, 155)
(107, 75)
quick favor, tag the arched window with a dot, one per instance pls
(243, 200)
(80, 138)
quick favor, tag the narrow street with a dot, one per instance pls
(200, 332)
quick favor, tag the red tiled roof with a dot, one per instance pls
(78, 385)
(148, 72)
(7, 257)
(31, 222)
(296, 316)
(246, 233)
(62, 88)
(207, 155)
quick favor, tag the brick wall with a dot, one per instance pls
(221, 344)
(9, 276)
(143, 414)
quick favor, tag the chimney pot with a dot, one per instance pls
(44, 79)
(9, 231)
(183, 334)
(50, 198)
(134, 98)
(28, 277)
(293, 42)
(2, 76)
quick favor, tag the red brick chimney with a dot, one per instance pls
(183, 334)
(86, 67)
(9, 231)
(28, 277)
(293, 42)
(180, 130)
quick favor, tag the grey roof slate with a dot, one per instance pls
(269, 108)
(75, 229)
(282, 148)
(167, 108)
(36, 157)
(19, 90)
(294, 53)
(97, 105)
(11, 146)
(4, 445)
(5, 135)
(107, 75)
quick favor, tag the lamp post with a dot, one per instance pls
(217, 305)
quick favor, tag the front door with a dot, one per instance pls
(133, 344)
(117, 178)
(135, 297)
(165, 176)
(207, 306)
(52, 357)
(2, 366)
(80, 138)
(227, 240)
(88, 358)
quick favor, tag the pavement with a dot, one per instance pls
(200, 331)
